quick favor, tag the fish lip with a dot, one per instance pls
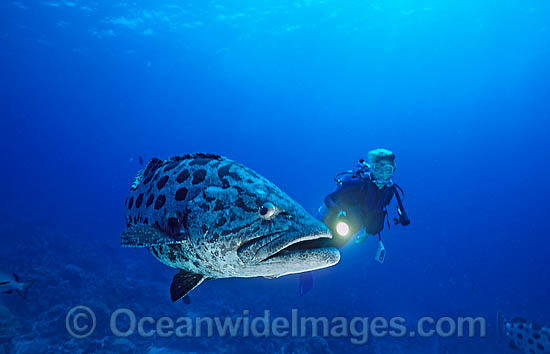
(277, 246)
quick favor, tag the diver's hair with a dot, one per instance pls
(382, 155)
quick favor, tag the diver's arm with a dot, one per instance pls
(403, 218)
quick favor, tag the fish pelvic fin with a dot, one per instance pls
(183, 283)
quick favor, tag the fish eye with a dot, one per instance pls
(267, 210)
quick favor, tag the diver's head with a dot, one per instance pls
(382, 164)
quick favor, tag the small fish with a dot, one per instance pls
(211, 217)
(10, 283)
(528, 337)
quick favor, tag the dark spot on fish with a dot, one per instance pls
(221, 221)
(207, 198)
(199, 176)
(171, 165)
(224, 172)
(200, 162)
(173, 226)
(139, 200)
(151, 168)
(159, 203)
(219, 205)
(520, 336)
(225, 184)
(148, 178)
(205, 207)
(183, 176)
(241, 204)
(249, 181)
(150, 200)
(135, 220)
(531, 351)
(162, 182)
(204, 228)
(536, 336)
(130, 202)
(145, 221)
(520, 326)
(181, 194)
(233, 217)
(540, 347)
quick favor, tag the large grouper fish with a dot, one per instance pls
(211, 217)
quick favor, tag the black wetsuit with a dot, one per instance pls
(364, 203)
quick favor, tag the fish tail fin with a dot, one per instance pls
(501, 322)
(22, 291)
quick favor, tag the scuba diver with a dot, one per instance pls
(359, 204)
(358, 207)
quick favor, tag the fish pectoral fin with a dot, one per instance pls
(183, 283)
(145, 236)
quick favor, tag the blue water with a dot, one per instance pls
(298, 91)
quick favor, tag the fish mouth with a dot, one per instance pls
(302, 245)
(280, 244)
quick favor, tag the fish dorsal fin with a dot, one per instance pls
(183, 283)
(146, 236)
